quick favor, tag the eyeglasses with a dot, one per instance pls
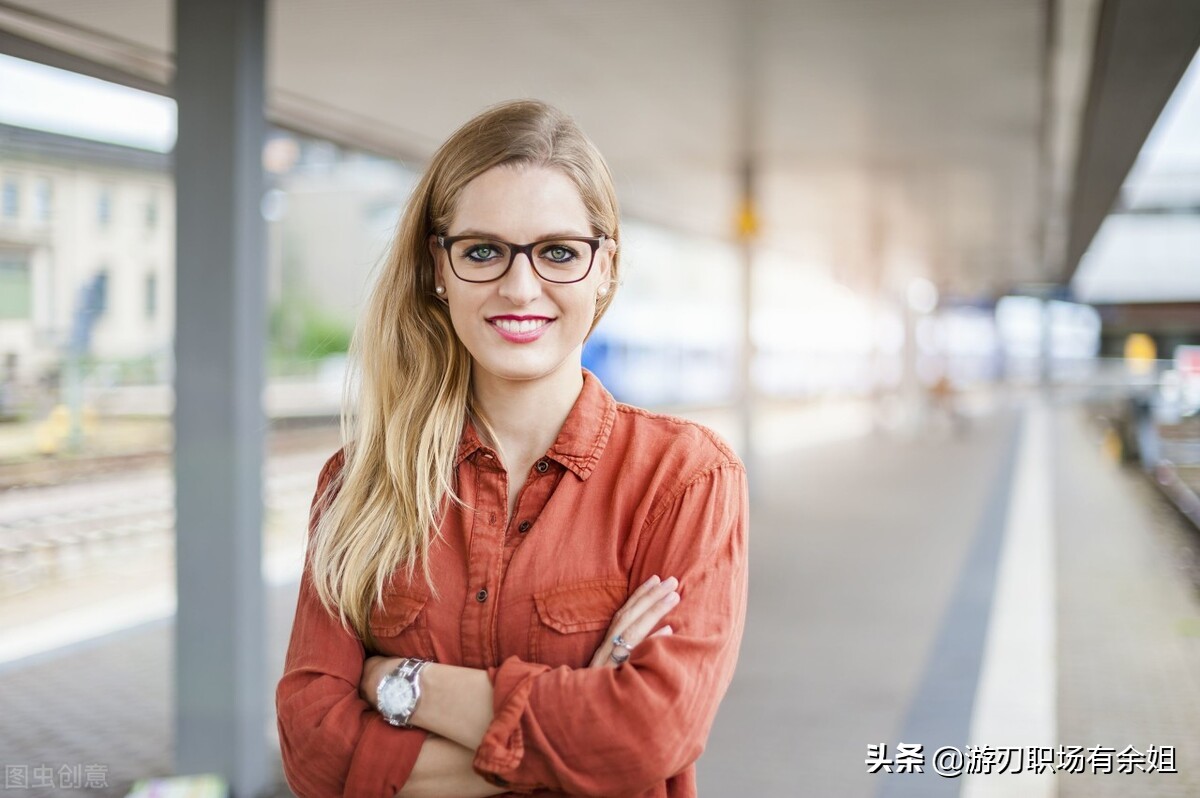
(566, 259)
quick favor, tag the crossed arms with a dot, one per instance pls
(521, 726)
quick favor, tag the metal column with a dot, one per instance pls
(220, 672)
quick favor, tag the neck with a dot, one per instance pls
(526, 415)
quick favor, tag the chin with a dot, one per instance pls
(519, 369)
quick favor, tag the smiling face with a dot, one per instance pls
(521, 327)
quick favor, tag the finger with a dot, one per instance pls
(642, 591)
(603, 656)
(637, 629)
(637, 601)
(633, 635)
(638, 604)
(644, 616)
(642, 599)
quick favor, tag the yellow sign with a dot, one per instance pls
(1140, 353)
(747, 220)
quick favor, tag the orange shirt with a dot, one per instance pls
(621, 494)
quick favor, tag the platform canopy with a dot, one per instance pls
(912, 136)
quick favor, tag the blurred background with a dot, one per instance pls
(931, 266)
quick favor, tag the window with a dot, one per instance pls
(43, 199)
(104, 206)
(12, 198)
(151, 295)
(98, 298)
(15, 289)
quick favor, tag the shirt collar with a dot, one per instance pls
(582, 438)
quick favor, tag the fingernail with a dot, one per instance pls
(671, 597)
(668, 630)
(672, 581)
(651, 581)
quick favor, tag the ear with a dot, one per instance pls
(436, 252)
(608, 251)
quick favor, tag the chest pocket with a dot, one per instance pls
(400, 627)
(570, 621)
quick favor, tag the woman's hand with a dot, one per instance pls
(633, 622)
(373, 670)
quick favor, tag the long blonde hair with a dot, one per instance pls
(402, 422)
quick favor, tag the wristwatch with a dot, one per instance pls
(399, 691)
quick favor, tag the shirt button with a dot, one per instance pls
(541, 466)
(481, 596)
(524, 526)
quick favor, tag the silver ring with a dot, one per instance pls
(613, 656)
(620, 641)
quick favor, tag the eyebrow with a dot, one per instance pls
(557, 234)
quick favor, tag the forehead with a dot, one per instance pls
(521, 203)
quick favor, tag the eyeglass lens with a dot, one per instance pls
(482, 259)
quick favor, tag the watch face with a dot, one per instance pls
(396, 696)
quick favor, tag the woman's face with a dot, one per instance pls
(522, 327)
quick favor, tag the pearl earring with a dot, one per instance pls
(441, 289)
(603, 291)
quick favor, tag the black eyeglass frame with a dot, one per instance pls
(445, 242)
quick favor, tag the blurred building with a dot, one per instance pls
(75, 212)
(88, 220)
(332, 213)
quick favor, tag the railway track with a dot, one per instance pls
(46, 472)
(51, 528)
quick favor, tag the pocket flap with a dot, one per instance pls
(581, 607)
(398, 612)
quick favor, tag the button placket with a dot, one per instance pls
(486, 555)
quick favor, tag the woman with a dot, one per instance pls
(555, 529)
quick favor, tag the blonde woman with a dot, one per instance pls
(513, 583)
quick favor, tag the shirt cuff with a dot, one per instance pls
(502, 749)
(384, 757)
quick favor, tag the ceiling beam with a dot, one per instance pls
(1143, 47)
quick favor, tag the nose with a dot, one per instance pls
(521, 285)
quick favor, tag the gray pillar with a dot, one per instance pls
(221, 687)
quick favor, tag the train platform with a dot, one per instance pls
(997, 587)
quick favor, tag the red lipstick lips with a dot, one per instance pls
(520, 329)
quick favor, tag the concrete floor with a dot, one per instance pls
(874, 565)
(855, 555)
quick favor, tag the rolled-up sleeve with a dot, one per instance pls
(603, 731)
(332, 742)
